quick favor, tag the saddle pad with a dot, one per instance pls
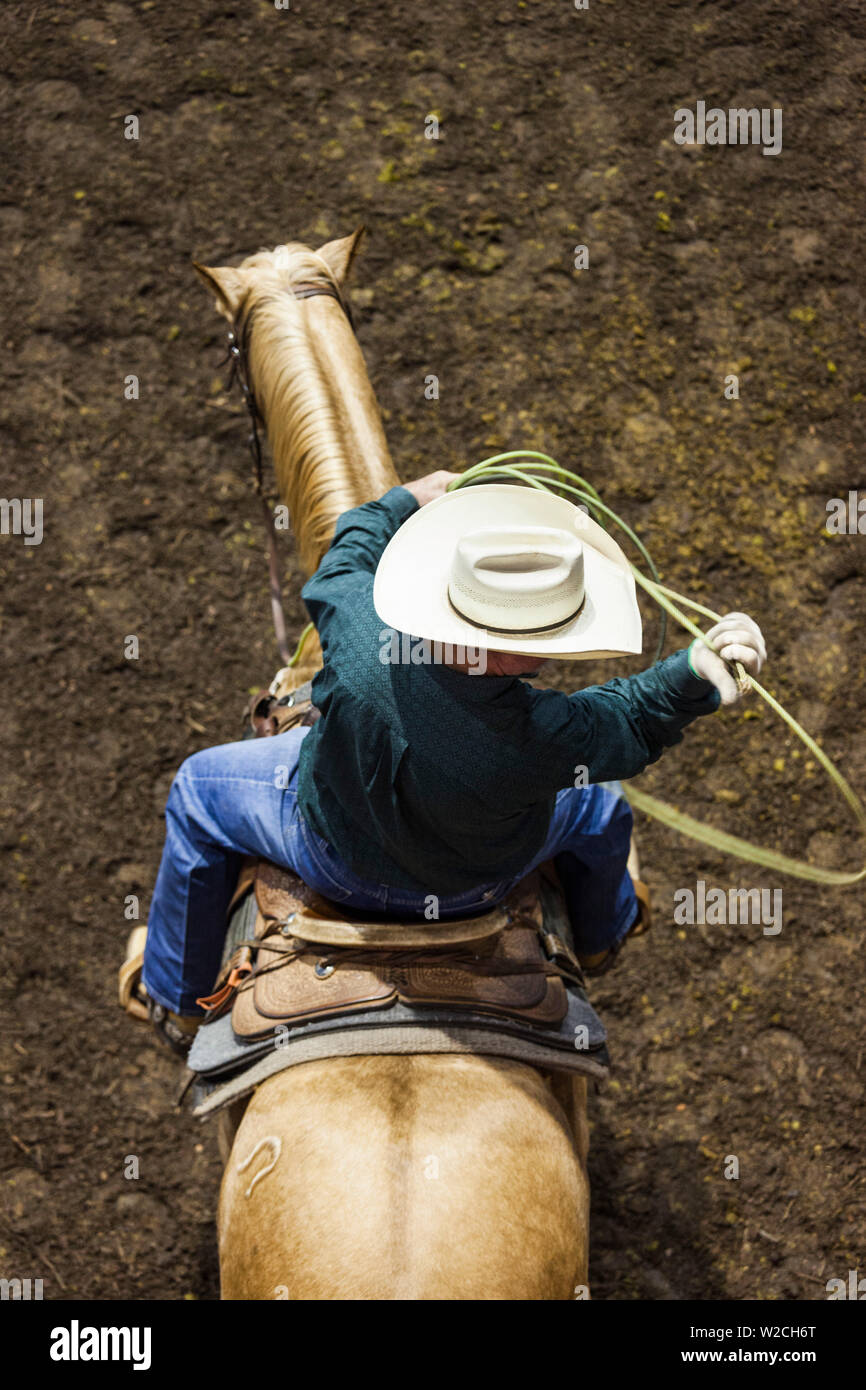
(224, 1067)
(208, 1097)
(217, 1051)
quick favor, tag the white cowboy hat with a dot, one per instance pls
(511, 569)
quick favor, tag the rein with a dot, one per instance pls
(238, 355)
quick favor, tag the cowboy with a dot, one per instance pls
(430, 788)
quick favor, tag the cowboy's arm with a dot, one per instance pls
(346, 570)
(618, 729)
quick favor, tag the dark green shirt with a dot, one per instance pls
(427, 778)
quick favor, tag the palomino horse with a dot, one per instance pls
(439, 1176)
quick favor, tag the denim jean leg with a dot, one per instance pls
(588, 840)
(227, 802)
(595, 825)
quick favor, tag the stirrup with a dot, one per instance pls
(641, 924)
(176, 1030)
(131, 993)
(645, 917)
(645, 913)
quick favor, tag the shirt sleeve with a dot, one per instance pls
(618, 729)
(350, 562)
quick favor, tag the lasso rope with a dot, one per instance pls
(558, 479)
(296, 654)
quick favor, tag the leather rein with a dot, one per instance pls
(238, 356)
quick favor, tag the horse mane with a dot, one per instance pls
(298, 395)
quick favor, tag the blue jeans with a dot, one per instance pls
(241, 799)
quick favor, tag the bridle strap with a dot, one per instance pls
(307, 289)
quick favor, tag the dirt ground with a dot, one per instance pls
(258, 126)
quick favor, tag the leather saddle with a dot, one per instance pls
(306, 958)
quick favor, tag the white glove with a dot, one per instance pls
(736, 637)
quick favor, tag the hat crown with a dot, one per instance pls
(517, 578)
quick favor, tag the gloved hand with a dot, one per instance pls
(736, 637)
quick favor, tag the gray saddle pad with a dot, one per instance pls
(226, 1068)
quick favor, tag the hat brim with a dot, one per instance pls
(410, 593)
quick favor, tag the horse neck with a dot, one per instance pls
(321, 416)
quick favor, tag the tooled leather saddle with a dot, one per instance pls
(305, 958)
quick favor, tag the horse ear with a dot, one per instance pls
(339, 255)
(227, 283)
